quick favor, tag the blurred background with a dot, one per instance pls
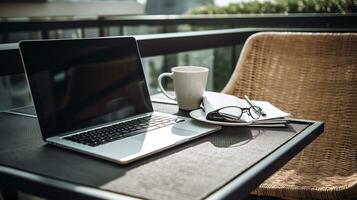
(54, 19)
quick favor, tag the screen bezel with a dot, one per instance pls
(25, 48)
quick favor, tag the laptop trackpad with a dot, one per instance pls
(164, 137)
(181, 131)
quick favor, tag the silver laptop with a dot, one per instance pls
(90, 96)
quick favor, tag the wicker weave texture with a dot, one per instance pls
(312, 76)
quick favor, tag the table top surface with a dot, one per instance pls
(232, 161)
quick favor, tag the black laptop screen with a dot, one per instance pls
(80, 83)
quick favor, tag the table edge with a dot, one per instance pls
(33, 183)
(237, 188)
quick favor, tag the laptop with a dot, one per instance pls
(90, 96)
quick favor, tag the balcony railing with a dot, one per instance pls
(168, 43)
(215, 49)
(42, 28)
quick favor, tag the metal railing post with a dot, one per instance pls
(45, 34)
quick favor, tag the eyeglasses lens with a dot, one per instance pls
(255, 112)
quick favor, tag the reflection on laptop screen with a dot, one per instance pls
(80, 83)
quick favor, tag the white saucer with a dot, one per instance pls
(200, 115)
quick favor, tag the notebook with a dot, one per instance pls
(213, 101)
(90, 96)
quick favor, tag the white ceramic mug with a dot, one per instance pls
(189, 85)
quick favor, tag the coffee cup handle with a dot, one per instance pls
(162, 88)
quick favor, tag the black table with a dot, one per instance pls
(28, 164)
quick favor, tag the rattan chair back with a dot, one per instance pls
(312, 76)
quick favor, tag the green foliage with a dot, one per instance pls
(281, 6)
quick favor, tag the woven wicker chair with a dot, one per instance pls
(312, 76)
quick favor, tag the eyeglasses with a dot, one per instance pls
(234, 113)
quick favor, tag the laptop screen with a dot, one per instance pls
(80, 83)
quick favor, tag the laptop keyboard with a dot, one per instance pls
(122, 130)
